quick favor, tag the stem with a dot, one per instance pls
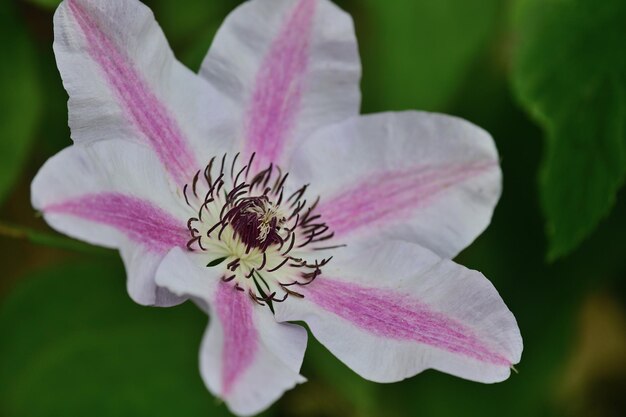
(48, 239)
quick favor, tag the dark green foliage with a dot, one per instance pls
(20, 97)
(570, 74)
(416, 53)
(74, 344)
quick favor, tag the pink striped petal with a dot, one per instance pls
(396, 316)
(115, 194)
(391, 312)
(277, 94)
(139, 220)
(246, 358)
(239, 336)
(421, 177)
(394, 195)
(301, 71)
(124, 82)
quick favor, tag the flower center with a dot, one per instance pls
(266, 242)
(257, 222)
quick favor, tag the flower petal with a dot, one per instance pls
(124, 82)
(141, 267)
(290, 66)
(421, 177)
(114, 194)
(246, 358)
(398, 309)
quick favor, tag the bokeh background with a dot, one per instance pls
(547, 78)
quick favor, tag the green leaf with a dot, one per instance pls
(416, 52)
(46, 4)
(345, 392)
(570, 74)
(74, 344)
(20, 100)
(190, 28)
(182, 22)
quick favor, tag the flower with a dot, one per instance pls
(256, 190)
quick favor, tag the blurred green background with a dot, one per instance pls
(547, 78)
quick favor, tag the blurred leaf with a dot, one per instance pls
(54, 119)
(52, 240)
(418, 51)
(191, 28)
(181, 20)
(20, 101)
(193, 54)
(74, 344)
(511, 253)
(47, 4)
(570, 75)
(321, 366)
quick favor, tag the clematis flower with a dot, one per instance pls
(255, 189)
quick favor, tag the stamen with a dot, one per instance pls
(232, 166)
(185, 194)
(276, 268)
(264, 261)
(256, 224)
(298, 193)
(291, 292)
(207, 171)
(223, 162)
(254, 298)
(191, 242)
(250, 164)
(291, 243)
(233, 265)
(195, 183)
(215, 226)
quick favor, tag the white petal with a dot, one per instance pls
(290, 67)
(124, 82)
(184, 274)
(398, 309)
(246, 358)
(421, 177)
(114, 194)
(141, 268)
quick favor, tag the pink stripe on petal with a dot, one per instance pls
(142, 107)
(138, 219)
(277, 96)
(390, 315)
(392, 196)
(234, 311)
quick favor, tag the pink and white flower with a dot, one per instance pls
(256, 190)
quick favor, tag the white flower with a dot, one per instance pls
(257, 190)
